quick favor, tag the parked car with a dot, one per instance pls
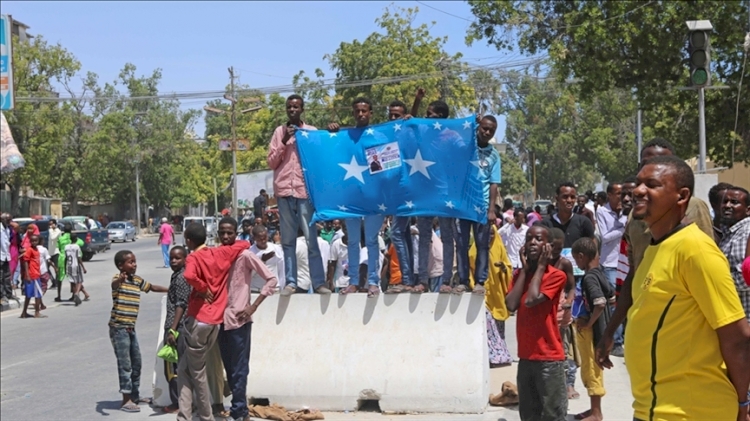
(543, 204)
(121, 231)
(208, 221)
(95, 241)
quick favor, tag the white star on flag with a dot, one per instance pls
(467, 125)
(343, 208)
(409, 204)
(305, 134)
(396, 127)
(370, 131)
(476, 164)
(450, 204)
(437, 125)
(418, 164)
(354, 170)
(478, 209)
(382, 207)
(332, 134)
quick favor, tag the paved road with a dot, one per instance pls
(63, 367)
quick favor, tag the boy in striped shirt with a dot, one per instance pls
(126, 299)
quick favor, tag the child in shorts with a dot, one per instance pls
(591, 322)
(30, 274)
(74, 269)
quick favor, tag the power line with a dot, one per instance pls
(607, 19)
(325, 83)
(444, 12)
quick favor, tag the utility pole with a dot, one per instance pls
(639, 135)
(701, 131)
(216, 199)
(234, 146)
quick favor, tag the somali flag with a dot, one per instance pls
(415, 167)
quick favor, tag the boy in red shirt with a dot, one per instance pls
(206, 270)
(31, 274)
(535, 295)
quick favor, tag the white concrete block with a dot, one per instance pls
(411, 352)
(160, 384)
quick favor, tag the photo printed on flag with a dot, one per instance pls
(415, 167)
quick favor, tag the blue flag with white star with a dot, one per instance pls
(415, 167)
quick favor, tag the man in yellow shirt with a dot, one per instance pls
(688, 342)
(638, 237)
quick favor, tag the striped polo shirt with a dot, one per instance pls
(126, 300)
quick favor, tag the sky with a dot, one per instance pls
(195, 42)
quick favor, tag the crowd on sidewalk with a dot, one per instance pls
(29, 267)
(645, 271)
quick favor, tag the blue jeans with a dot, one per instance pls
(401, 239)
(353, 232)
(435, 283)
(128, 354)
(611, 274)
(165, 254)
(448, 235)
(482, 242)
(296, 214)
(235, 353)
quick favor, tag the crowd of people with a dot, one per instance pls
(31, 268)
(645, 271)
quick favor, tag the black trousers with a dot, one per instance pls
(6, 277)
(541, 390)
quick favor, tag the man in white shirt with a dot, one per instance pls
(270, 254)
(54, 235)
(303, 266)
(6, 289)
(338, 262)
(514, 237)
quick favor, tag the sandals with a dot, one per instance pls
(146, 401)
(395, 289)
(418, 289)
(351, 289)
(130, 407)
(373, 291)
(459, 289)
(583, 415)
(445, 289)
(479, 290)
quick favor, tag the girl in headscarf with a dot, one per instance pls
(498, 281)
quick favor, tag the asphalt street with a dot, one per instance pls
(63, 367)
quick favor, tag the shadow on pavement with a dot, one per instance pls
(109, 406)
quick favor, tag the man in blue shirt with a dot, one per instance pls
(488, 162)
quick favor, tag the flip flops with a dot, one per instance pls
(130, 407)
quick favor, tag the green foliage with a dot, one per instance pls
(38, 128)
(570, 139)
(403, 51)
(514, 180)
(635, 47)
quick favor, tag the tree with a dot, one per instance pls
(37, 127)
(513, 178)
(402, 59)
(635, 47)
(567, 138)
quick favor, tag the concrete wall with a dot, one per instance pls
(422, 353)
(411, 353)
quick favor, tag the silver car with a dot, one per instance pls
(121, 231)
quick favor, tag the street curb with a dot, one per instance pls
(12, 305)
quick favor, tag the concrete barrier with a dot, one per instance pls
(408, 352)
(160, 384)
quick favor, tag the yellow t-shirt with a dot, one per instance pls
(672, 353)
